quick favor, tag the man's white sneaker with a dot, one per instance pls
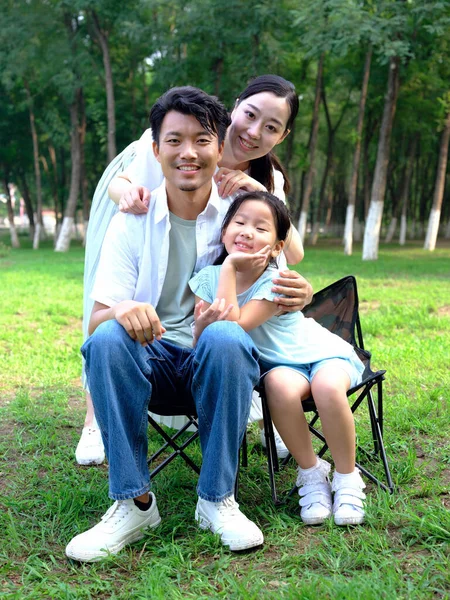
(282, 451)
(315, 493)
(348, 506)
(225, 519)
(122, 524)
(90, 450)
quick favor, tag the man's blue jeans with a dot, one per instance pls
(217, 378)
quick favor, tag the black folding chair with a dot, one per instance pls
(336, 308)
(175, 443)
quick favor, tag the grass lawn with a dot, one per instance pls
(46, 498)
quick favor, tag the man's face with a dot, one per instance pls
(188, 154)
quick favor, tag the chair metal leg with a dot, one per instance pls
(272, 458)
(178, 450)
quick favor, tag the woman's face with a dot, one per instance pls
(258, 123)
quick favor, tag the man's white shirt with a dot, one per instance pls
(134, 256)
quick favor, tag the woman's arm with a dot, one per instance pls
(130, 198)
(230, 181)
(293, 247)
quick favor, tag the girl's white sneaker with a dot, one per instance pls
(348, 506)
(315, 493)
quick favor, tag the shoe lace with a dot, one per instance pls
(229, 507)
(116, 513)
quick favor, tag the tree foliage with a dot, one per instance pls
(155, 44)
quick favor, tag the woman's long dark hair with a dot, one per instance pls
(262, 168)
(278, 209)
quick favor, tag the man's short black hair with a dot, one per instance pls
(208, 110)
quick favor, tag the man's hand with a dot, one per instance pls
(139, 320)
(229, 181)
(135, 200)
(243, 261)
(205, 316)
(298, 290)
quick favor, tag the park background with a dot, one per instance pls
(368, 164)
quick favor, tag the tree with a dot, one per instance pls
(435, 213)
(373, 224)
(311, 151)
(350, 213)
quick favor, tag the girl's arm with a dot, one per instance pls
(255, 312)
(206, 313)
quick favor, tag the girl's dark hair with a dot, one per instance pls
(278, 209)
(261, 168)
(188, 100)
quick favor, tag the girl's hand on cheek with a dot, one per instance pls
(243, 261)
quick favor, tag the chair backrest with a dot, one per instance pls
(336, 308)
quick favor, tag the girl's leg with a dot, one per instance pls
(329, 388)
(285, 389)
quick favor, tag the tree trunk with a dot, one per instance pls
(28, 205)
(54, 180)
(405, 190)
(312, 151)
(83, 179)
(373, 224)
(102, 38)
(435, 213)
(350, 214)
(329, 167)
(326, 197)
(63, 241)
(391, 229)
(447, 231)
(218, 72)
(12, 226)
(37, 170)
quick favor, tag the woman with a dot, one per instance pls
(261, 119)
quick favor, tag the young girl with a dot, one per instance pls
(298, 356)
(262, 118)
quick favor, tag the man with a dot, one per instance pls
(134, 361)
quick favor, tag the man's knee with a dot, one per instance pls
(223, 334)
(108, 334)
(226, 342)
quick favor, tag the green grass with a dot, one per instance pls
(45, 498)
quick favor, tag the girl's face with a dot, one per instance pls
(251, 229)
(258, 123)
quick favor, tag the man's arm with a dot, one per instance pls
(116, 281)
(138, 319)
(298, 290)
